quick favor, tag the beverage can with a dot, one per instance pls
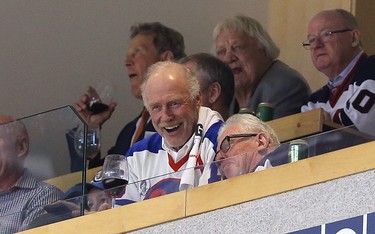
(298, 150)
(246, 111)
(265, 111)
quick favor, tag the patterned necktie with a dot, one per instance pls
(142, 123)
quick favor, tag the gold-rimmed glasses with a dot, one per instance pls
(324, 36)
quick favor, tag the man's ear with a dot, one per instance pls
(263, 140)
(166, 55)
(198, 101)
(23, 146)
(214, 92)
(356, 38)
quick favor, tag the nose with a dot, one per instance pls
(128, 61)
(318, 43)
(229, 57)
(166, 114)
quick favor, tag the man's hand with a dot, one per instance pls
(96, 120)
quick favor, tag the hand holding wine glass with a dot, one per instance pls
(100, 97)
(97, 105)
(115, 175)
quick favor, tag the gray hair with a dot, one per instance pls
(212, 69)
(191, 79)
(165, 38)
(252, 28)
(250, 124)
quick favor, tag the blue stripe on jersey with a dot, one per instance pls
(212, 133)
(152, 144)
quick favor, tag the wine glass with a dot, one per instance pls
(115, 175)
(92, 143)
(100, 97)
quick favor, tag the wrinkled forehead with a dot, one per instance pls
(172, 74)
(234, 34)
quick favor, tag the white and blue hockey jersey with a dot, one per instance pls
(155, 169)
(353, 101)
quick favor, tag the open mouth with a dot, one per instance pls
(172, 128)
(132, 75)
(236, 70)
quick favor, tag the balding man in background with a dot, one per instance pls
(22, 196)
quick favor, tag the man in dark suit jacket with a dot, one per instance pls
(150, 43)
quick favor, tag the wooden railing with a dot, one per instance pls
(201, 199)
(67, 181)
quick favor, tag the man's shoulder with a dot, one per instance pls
(41, 189)
(278, 157)
(281, 69)
(50, 188)
(132, 124)
(213, 130)
(151, 144)
(321, 95)
(283, 76)
(365, 69)
(370, 58)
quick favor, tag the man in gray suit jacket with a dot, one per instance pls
(246, 47)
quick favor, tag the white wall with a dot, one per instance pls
(50, 51)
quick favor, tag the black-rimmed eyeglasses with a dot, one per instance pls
(323, 36)
(225, 144)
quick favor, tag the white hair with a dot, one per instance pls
(250, 124)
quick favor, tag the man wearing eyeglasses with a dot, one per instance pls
(334, 42)
(246, 144)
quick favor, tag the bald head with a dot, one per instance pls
(6, 119)
(168, 71)
(14, 146)
(334, 41)
(14, 131)
(344, 17)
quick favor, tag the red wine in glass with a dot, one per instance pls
(100, 97)
(97, 107)
(114, 182)
(115, 186)
(115, 175)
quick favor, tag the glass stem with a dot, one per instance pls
(113, 201)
